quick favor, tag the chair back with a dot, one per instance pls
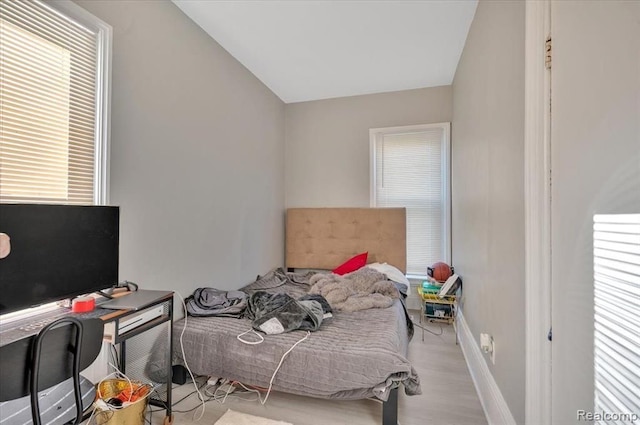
(60, 350)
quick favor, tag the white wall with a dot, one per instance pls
(488, 188)
(197, 154)
(327, 142)
(595, 170)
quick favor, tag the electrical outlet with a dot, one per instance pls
(488, 346)
(485, 343)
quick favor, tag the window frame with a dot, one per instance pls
(102, 132)
(375, 135)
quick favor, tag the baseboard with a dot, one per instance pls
(493, 403)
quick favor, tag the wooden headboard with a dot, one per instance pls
(323, 238)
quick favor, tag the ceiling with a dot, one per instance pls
(309, 50)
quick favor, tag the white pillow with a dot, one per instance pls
(394, 274)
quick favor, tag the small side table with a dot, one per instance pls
(434, 308)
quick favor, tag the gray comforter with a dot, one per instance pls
(353, 356)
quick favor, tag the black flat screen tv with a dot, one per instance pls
(57, 252)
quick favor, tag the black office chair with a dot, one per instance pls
(39, 374)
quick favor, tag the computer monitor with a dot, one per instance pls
(57, 252)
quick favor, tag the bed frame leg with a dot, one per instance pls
(390, 409)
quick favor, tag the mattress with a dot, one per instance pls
(352, 356)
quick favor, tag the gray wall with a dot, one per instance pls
(488, 188)
(197, 154)
(596, 170)
(327, 142)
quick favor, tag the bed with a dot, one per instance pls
(344, 359)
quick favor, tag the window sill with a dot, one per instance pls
(21, 314)
(417, 277)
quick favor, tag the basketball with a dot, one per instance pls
(441, 271)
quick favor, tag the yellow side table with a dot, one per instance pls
(435, 308)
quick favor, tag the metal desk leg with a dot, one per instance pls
(123, 356)
(168, 420)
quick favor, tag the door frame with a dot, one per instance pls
(537, 179)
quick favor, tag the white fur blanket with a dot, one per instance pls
(360, 290)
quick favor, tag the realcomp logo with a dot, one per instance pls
(583, 415)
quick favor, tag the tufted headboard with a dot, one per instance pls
(323, 238)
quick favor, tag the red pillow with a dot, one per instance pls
(352, 264)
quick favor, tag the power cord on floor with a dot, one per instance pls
(219, 395)
(175, 403)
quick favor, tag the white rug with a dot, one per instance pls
(236, 418)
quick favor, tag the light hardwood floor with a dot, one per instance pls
(448, 395)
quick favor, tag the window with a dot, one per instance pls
(410, 168)
(54, 92)
(616, 271)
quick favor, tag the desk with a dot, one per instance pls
(28, 327)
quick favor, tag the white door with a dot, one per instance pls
(595, 162)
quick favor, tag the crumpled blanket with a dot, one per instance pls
(360, 290)
(278, 313)
(215, 302)
(297, 283)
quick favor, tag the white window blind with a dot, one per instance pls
(410, 169)
(52, 110)
(616, 252)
